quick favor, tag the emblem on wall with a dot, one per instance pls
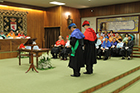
(11, 22)
(10, 19)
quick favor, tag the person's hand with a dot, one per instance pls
(97, 47)
(106, 48)
(126, 47)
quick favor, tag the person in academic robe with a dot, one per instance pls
(125, 38)
(111, 34)
(2, 35)
(21, 34)
(117, 36)
(105, 49)
(118, 47)
(90, 52)
(127, 48)
(113, 47)
(77, 42)
(99, 34)
(11, 34)
(56, 49)
(64, 53)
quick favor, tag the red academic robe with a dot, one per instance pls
(60, 42)
(90, 50)
(90, 34)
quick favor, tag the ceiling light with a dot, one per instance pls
(57, 3)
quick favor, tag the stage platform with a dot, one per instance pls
(58, 80)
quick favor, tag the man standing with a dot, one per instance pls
(76, 42)
(90, 49)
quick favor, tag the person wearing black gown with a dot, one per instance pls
(90, 49)
(76, 58)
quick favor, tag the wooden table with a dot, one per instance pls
(29, 55)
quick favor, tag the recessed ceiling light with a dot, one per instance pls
(57, 3)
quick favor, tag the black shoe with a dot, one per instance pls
(123, 58)
(75, 75)
(99, 58)
(128, 59)
(62, 59)
(105, 58)
(65, 58)
(87, 72)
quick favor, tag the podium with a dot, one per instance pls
(29, 42)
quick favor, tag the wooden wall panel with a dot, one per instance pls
(55, 17)
(35, 22)
(75, 15)
(35, 26)
(52, 17)
(126, 8)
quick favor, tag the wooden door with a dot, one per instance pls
(51, 36)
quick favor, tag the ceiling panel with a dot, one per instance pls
(72, 3)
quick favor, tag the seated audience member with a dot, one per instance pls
(113, 46)
(55, 50)
(104, 37)
(117, 36)
(99, 34)
(64, 53)
(21, 34)
(105, 33)
(111, 34)
(105, 49)
(127, 48)
(98, 46)
(132, 37)
(111, 38)
(118, 47)
(11, 34)
(125, 38)
(2, 35)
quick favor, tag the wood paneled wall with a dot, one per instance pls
(52, 17)
(126, 8)
(35, 23)
(75, 15)
(55, 17)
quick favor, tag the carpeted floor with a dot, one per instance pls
(13, 78)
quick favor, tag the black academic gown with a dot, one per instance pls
(77, 61)
(90, 52)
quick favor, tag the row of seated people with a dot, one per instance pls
(117, 47)
(12, 34)
(61, 47)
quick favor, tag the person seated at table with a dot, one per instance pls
(11, 34)
(56, 49)
(118, 47)
(64, 53)
(113, 47)
(98, 46)
(105, 48)
(21, 34)
(2, 35)
(127, 48)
